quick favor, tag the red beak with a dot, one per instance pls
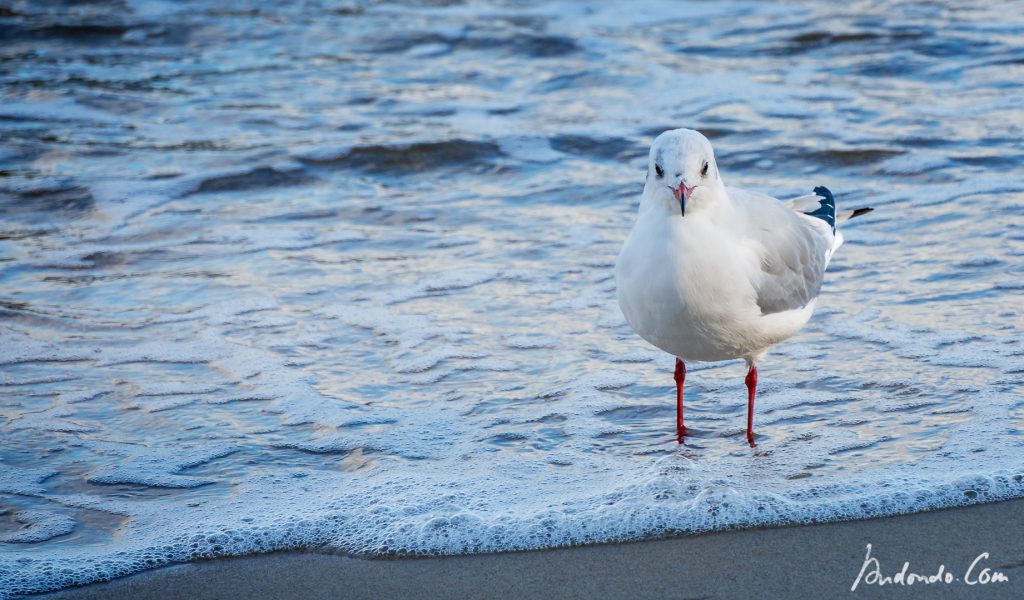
(682, 194)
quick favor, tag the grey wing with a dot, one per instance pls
(793, 251)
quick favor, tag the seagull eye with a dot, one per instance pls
(658, 170)
(704, 170)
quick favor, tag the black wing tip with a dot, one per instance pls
(826, 210)
(861, 211)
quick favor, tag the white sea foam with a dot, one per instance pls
(436, 480)
(41, 526)
(23, 480)
(51, 419)
(18, 347)
(154, 467)
(530, 342)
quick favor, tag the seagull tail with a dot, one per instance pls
(850, 214)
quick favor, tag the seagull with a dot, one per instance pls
(713, 273)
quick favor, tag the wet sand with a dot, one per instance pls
(814, 561)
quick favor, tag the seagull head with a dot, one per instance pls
(681, 172)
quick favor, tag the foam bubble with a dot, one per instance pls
(51, 419)
(154, 467)
(20, 348)
(530, 341)
(40, 525)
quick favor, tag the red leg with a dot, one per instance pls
(751, 382)
(680, 377)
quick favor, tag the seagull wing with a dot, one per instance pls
(792, 249)
(804, 203)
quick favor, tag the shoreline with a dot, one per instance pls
(806, 561)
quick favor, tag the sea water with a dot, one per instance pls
(339, 276)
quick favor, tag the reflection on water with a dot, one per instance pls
(340, 275)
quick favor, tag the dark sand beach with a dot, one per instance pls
(815, 561)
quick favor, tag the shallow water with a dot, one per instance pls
(340, 275)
